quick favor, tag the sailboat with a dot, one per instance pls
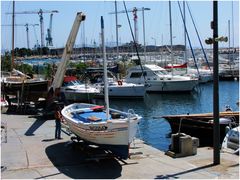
(107, 128)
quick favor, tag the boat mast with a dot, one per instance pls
(144, 41)
(116, 18)
(185, 38)
(232, 28)
(229, 41)
(13, 21)
(105, 70)
(170, 19)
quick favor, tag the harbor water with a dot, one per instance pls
(155, 130)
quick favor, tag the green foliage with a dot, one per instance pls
(22, 52)
(48, 71)
(25, 68)
(6, 62)
(81, 67)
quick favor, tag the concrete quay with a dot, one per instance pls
(31, 152)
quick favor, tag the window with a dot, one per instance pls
(136, 75)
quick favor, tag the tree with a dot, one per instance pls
(6, 62)
(25, 68)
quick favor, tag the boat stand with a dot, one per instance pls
(92, 152)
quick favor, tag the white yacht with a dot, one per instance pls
(158, 79)
(77, 91)
(121, 89)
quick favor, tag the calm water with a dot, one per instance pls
(154, 131)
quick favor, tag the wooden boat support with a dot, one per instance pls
(201, 125)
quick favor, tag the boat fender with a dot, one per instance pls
(119, 83)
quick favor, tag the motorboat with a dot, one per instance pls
(79, 92)
(203, 74)
(158, 79)
(117, 88)
(90, 123)
(121, 89)
(229, 71)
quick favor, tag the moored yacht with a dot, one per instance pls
(158, 79)
(77, 91)
(121, 89)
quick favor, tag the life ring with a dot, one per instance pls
(119, 83)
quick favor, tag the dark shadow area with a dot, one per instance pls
(47, 140)
(78, 161)
(39, 122)
(175, 176)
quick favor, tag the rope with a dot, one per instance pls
(205, 56)
(190, 44)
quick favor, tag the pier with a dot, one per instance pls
(31, 152)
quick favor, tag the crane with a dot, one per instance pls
(35, 34)
(59, 76)
(49, 32)
(135, 17)
(40, 13)
(27, 30)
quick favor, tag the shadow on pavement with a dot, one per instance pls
(77, 162)
(175, 176)
(39, 121)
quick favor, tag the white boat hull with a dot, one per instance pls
(78, 92)
(76, 96)
(159, 80)
(171, 86)
(113, 133)
(128, 90)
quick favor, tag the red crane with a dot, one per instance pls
(135, 17)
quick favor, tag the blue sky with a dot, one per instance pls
(156, 21)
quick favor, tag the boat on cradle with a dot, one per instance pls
(77, 91)
(89, 122)
(231, 141)
(159, 80)
(201, 125)
(17, 82)
(121, 89)
(102, 126)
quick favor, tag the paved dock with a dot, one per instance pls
(31, 152)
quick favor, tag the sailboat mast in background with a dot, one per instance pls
(13, 21)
